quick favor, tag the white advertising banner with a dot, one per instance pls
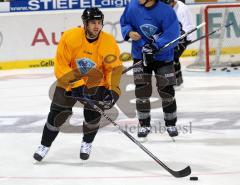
(33, 36)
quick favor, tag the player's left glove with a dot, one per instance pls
(148, 51)
(109, 99)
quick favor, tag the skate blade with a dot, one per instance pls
(84, 163)
(35, 162)
(142, 139)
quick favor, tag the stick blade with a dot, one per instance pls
(182, 173)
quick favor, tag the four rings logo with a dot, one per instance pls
(115, 29)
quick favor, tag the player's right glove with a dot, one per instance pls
(148, 51)
(80, 94)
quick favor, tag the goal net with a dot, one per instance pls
(221, 46)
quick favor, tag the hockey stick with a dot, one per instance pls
(202, 37)
(182, 36)
(131, 67)
(167, 45)
(182, 173)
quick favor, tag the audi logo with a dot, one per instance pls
(114, 28)
(1, 38)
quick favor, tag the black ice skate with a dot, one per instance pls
(172, 131)
(40, 153)
(85, 150)
(143, 132)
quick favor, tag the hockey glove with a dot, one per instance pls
(148, 51)
(109, 99)
(182, 44)
(154, 37)
(180, 48)
(80, 94)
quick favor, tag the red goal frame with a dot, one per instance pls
(208, 66)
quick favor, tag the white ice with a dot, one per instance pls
(208, 102)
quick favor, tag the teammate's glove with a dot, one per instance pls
(180, 48)
(110, 98)
(154, 37)
(182, 44)
(80, 94)
(148, 51)
(150, 48)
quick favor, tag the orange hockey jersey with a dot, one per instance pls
(79, 62)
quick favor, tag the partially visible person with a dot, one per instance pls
(185, 18)
(151, 24)
(87, 68)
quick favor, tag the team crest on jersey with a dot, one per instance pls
(84, 65)
(148, 29)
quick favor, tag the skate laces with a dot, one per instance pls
(172, 129)
(42, 150)
(86, 147)
(144, 129)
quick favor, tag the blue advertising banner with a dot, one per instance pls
(42, 5)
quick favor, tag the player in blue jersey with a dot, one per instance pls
(151, 24)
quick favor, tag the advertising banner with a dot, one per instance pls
(30, 39)
(46, 5)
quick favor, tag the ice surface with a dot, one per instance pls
(208, 114)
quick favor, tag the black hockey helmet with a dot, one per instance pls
(92, 14)
(167, 1)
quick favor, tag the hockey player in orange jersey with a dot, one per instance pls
(87, 67)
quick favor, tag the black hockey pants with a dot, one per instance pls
(165, 80)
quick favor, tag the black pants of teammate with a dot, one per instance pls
(178, 71)
(178, 51)
(61, 109)
(165, 80)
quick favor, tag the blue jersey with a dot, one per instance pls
(159, 19)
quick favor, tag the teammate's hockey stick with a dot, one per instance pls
(167, 45)
(182, 173)
(182, 36)
(204, 36)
